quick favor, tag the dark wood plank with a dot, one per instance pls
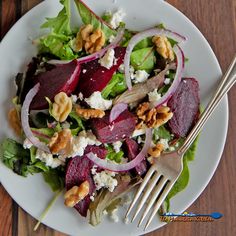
(5, 213)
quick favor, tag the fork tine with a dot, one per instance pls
(159, 202)
(148, 190)
(139, 191)
(155, 194)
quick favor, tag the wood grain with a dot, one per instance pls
(217, 21)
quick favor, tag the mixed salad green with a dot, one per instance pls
(101, 118)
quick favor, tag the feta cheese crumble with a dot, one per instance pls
(154, 96)
(48, 159)
(117, 145)
(114, 216)
(104, 179)
(98, 102)
(165, 143)
(167, 81)
(139, 76)
(108, 59)
(80, 142)
(27, 144)
(117, 18)
(74, 98)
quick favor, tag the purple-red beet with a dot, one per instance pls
(62, 78)
(95, 77)
(185, 107)
(119, 129)
(132, 150)
(79, 170)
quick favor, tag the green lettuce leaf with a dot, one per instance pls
(89, 17)
(114, 156)
(76, 123)
(21, 161)
(116, 86)
(55, 179)
(145, 43)
(161, 133)
(143, 59)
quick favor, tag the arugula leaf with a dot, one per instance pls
(20, 160)
(114, 156)
(126, 38)
(116, 86)
(161, 133)
(89, 17)
(76, 123)
(143, 59)
(107, 16)
(54, 178)
(61, 23)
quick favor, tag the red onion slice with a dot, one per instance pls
(117, 110)
(178, 75)
(95, 55)
(140, 36)
(105, 164)
(25, 120)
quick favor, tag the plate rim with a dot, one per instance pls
(225, 100)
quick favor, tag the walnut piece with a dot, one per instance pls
(60, 141)
(61, 107)
(156, 150)
(76, 194)
(14, 121)
(152, 118)
(163, 47)
(92, 40)
(89, 113)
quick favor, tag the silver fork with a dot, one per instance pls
(165, 171)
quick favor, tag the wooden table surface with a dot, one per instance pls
(216, 19)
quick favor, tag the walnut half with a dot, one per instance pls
(92, 40)
(61, 107)
(76, 194)
(89, 113)
(60, 141)
(152, 118)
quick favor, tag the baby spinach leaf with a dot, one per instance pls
(143, 59)
(161, 132)
(89, 17)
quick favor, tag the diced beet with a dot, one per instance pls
(132, 150)
(185, 107)
(62, 78)
(95, 77)
(119, 129)
(79, 170)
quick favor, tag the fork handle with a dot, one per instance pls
(227, 82)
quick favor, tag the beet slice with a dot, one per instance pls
(79, 170)
(119, 129)
(95, 77)
(185, 107)
(62, 78)
(132, 150)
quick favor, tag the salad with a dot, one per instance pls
(97, 106)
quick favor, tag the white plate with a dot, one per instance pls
(16, 50)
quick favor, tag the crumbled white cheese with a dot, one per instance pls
(48, 159)
(171, 148)
(114, 215)
(167, 81)
(140, 140)
(108, 59)
(117, 18)
(117, 145)
(65, 125)
(74, 98)
(104, 179)
(27, 144)
(111, 38)
(154, 96)
(80, 142)
(164, 142)
(139, 76)
(92, 197)
(98, 102)
(121, 68)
